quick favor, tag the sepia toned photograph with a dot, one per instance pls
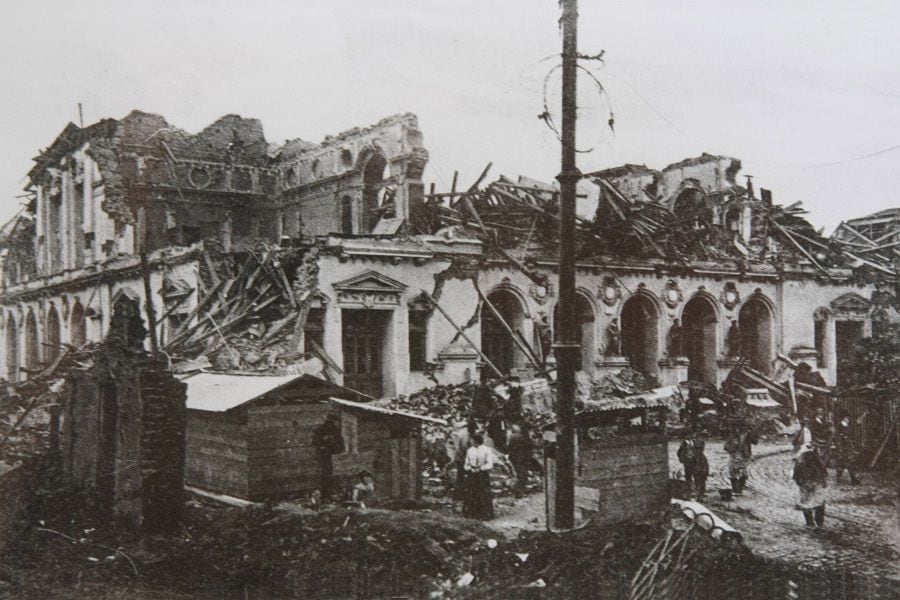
(460, 300)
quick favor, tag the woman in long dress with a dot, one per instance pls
(479, 503)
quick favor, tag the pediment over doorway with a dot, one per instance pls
(369, 289)
(851, 302)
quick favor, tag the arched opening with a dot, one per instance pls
(496, 342)
(374, 174)
(640, 333)
(584, 330)
(12, 350)
(732, 219)
(77, 325)
(699, 324)
(51, 335)
(126, 325)
(32, 348)
(755, 325)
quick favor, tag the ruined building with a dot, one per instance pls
(260, 256)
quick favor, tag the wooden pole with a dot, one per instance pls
(567, 347)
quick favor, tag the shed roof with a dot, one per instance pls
(662, 397)
(386, 411)
(219, 392)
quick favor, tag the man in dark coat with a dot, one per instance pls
(328, 441)
(701, 468)
(686, 455)
(521, 455)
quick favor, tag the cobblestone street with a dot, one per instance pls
(861, 534)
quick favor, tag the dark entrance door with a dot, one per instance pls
(364, 334)
(699, 325)
(847, 336)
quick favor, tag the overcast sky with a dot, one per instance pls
(806, 93)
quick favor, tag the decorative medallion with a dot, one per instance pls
(672, 296)
(199, 177)
(610, 292)
(730, 296)
(541, 293)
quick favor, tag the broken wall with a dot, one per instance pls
(121, 432)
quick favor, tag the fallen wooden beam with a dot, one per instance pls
(462, 333)
(526, 349)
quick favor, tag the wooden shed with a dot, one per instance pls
(251, 437)
(622, 458)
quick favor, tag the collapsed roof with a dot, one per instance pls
(693, 210)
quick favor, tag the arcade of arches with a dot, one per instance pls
(642, 332)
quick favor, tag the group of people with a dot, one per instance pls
(739, 447)
(818, 444)
(500, 421)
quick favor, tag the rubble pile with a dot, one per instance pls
(594, 562)
(260, 552)
(27, 408)
(253, 312)
(626, 382)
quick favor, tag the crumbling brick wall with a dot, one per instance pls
(122, 438)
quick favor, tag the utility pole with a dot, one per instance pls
(566, 346)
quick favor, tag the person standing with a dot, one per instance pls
(739, 447)
(457, 447)
(479, 463)
(328, 441)
(822, 434)
(844, 451)
(687, 458)
(701, 468)
(811, 477)
(520, 455)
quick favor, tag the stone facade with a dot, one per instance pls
(105, 193)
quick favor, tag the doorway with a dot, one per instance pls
(847, 336)
(699, 324)
(364, 337)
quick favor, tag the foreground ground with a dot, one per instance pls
(861, 533)
(429, 551)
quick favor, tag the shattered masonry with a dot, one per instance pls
(262, 257)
